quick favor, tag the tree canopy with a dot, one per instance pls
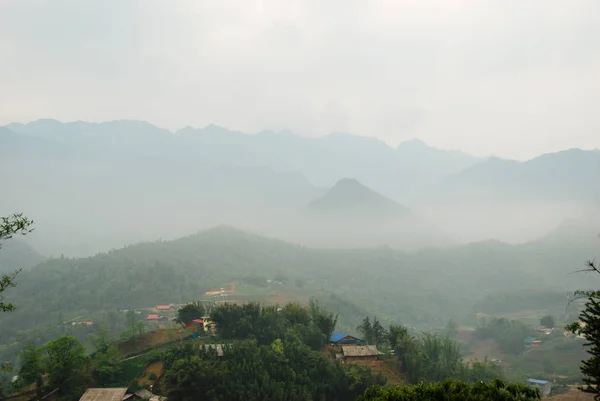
(16, 224)
(454, 391)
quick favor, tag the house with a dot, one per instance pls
(544, 385)
(104, 394)
(163, 307)
(360, 353)
(343, 339)
(195, 323)
(153, 317)
(143, 394)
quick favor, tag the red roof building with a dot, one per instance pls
(163, 307)
(152, 317)
(195, 322)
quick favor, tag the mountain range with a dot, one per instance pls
(92, 186)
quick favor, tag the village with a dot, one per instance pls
(342, 347)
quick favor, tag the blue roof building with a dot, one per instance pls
(341, 338)
(544, 385)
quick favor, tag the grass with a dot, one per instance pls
(131, 368)
(152, 339)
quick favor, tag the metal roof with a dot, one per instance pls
(336, 337)
(536, 381)
(103, 394)
(360, 350)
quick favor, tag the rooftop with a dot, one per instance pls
(536, 381)
(361, 350)
(103, 394)
(336, 337)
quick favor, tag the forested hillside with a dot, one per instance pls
(16, 255)
(423, 288)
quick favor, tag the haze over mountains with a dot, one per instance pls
(91, 187)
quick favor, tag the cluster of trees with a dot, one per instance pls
(64, 364)
(60, 364)
(372, 331)
(191, 311)
(454, 391)
(265, 323)
(135, 327)
(427, 357)
(433, 358)
(508, 334)
(285, 369)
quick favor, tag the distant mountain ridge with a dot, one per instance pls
(110, 183)
(349, 198)
(323, 160)
(354, 214)
(16, 254)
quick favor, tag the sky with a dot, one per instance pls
(510, 78)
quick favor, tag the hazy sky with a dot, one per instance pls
(511, 78)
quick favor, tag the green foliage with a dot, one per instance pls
(105, 365)
(324, 320)
(66, 365)
(135, 327)
(266, 324)
(432, 358)
(451, 329)
(7, 281)
(495, 390)
(547, 321)
(65, 359)
(285, 369)
(16, 224)
(373, 333)
(31, 364)
(190, 311)
(396, 335)
(508, 334)
(589, 327)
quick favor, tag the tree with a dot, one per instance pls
(378, 332)
(589, 327)
(325, 321)
(17, 224)
(101, 340)
(105, 365)
(65, 362)
(454, 391)
(366, 330)
(547, 321)
(31, 364)
(451, 328)
(395, 334)
(189, 312)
